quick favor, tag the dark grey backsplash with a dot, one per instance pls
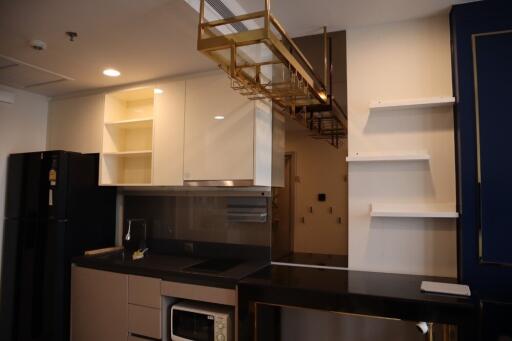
(238, 220)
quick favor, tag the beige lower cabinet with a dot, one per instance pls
(109, 306)
(144, 321)
(98, 305)
(144, 307)
(135, 338)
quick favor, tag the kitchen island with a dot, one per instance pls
(257, 291)
(381, 295)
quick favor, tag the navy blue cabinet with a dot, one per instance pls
(482, 50)
(482, 64)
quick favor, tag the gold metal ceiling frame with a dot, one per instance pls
(280, 73)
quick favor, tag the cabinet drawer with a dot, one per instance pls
(144, 321)
(144, 291)
(135, 338)
(199, 293)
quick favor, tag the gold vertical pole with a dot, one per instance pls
(430, 333)
(325, 58)
(267, 16)
(201, 18)
(232, 66)
(446, 332)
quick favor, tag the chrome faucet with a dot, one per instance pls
(128, 235)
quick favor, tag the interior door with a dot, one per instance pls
(482, 38)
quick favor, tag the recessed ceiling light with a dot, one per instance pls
(218, 117)
(111, 73)
(158, 91)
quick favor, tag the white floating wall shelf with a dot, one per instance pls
(418, 103)
(419, 156)
(414, 210)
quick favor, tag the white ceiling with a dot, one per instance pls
(144, 39)
(306, 17)
(149, 39)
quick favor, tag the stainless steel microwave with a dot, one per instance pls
(200, 322)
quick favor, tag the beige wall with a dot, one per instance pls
(320, 168)
(22, 129)
(76, 124)
(400, 61)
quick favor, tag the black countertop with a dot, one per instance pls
(351, 282)
(169, 267)
(355, 292)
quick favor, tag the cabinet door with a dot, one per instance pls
(98, 305)
(217, 149)
(168, 133)
(482, 45)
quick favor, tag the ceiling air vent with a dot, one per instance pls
(224, 12)
(22, 75)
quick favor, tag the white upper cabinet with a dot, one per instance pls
(228, 138)
(143, 136)
(168, 134)
(195, 131)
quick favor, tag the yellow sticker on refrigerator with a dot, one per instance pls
(52, 177)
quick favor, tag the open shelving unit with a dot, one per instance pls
(394, 210)
(414, 210)
(404, 104)
(127, 158)
(368, 157)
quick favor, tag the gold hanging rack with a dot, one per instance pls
(263, 62)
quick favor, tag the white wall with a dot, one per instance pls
(400, 61)
(22, 129)
(76, 124)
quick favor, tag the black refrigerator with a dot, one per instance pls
(54, 211)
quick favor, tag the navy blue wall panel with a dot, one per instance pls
(484, 259)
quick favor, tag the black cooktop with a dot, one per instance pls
(214, 266)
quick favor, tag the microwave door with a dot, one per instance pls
(187, 325)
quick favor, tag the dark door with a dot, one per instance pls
(36, 186)
(55, 281)
(35, 292)
(9, 288)
(482, 46)
(22, 273)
